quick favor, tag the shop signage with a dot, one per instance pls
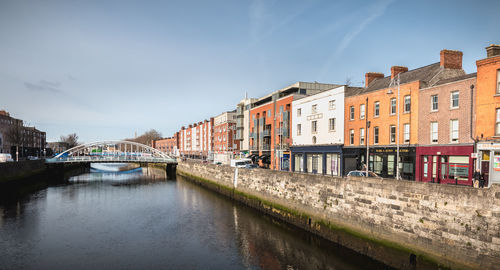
(459, 170)
(496, 163)
(473, 155)
(488, 146)
(391, 150)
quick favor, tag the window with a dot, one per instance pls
(299, 129)
(299, 112)
(434, 132)
(407, 104)
(375, 135)
(454, 130)
(351, 114)
(331, 105)
(351, 136)
(269, 113)
(406, 129)
(362, 111)
(331, 125)
(497, 123)
(454, 100)
(392, 132)
(498, 81)
(434, 103)
(376, 109)
(314, 109)
(314, 139)
(314, 127)
(393, 106)
(361, 136)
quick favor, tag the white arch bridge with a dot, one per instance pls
(113, 152)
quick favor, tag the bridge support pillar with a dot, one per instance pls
(171, 171)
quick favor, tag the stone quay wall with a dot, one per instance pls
(15, 170)
(404, 224)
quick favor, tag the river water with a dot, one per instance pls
(139, 220)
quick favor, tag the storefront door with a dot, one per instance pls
(426, 168)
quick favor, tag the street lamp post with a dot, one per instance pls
(397, 125)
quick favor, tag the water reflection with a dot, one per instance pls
(135, 220)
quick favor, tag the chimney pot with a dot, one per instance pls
(493, 50)
(371, 76)
(451, 59)
(395, 70)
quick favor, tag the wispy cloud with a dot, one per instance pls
(44, 86)
(375, 12)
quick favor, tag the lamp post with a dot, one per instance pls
(397, 125)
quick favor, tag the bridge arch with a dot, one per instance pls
(113, 151)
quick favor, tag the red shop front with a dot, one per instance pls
(451, 164)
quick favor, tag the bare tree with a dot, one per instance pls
(71, 140)
(147, 137)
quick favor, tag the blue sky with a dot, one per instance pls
(107, 69)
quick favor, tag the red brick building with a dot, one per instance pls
(225, 145)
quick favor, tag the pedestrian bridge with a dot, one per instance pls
(113, 152)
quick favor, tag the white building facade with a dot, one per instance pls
(318, 132)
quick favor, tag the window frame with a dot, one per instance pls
(351, 113)
(436, 103)
(332, 105)
(299, 129)
(394, 106)
(407, 110)
(351, 136)
(299, 112)
(392, 135)
(314, 127)
(432, 132)
(375, 135)
(361, 136)
(406, 133)
(330, 124)
(314, 108)
(498, 82)
(452, 132)
(497, 122)
(458, 99)
(376, 109)
(362, 111)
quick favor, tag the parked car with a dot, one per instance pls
(6, 158)
(251, 166)
(363, 174)
(218, 163)
(240, 163)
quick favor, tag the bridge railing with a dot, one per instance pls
(110, 159)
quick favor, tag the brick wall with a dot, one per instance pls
(456, 226)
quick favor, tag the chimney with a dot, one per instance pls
(493, 50)
(395, 70)
(371, 76)
(451, 59)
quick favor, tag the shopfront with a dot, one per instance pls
(383, 162)
(353, 159)
(321, 159)
(488, 160)
(445, 164)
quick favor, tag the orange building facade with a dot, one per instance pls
(487, 130)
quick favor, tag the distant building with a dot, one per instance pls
(30, 141)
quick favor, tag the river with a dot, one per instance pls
(139, 220)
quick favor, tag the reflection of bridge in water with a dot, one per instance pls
(114, 152)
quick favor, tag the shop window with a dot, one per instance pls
(332, 164)
(298, 163)
(390, 164)
(393, 106)
(392, 132)
(434, 132)
(375, 135)
(314, 163)
(361, 136)
(406, 133)
(458, 168)
(351, 137)
(299, 129)
(434, 103)
(376, 109)
(378, 164)
(497, 122)
(362, 111)
(407, 100)
(454, 131)
(351, 113)
(454, 99)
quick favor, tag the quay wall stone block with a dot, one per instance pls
(456, 226)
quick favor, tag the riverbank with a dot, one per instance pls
(402, 224)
